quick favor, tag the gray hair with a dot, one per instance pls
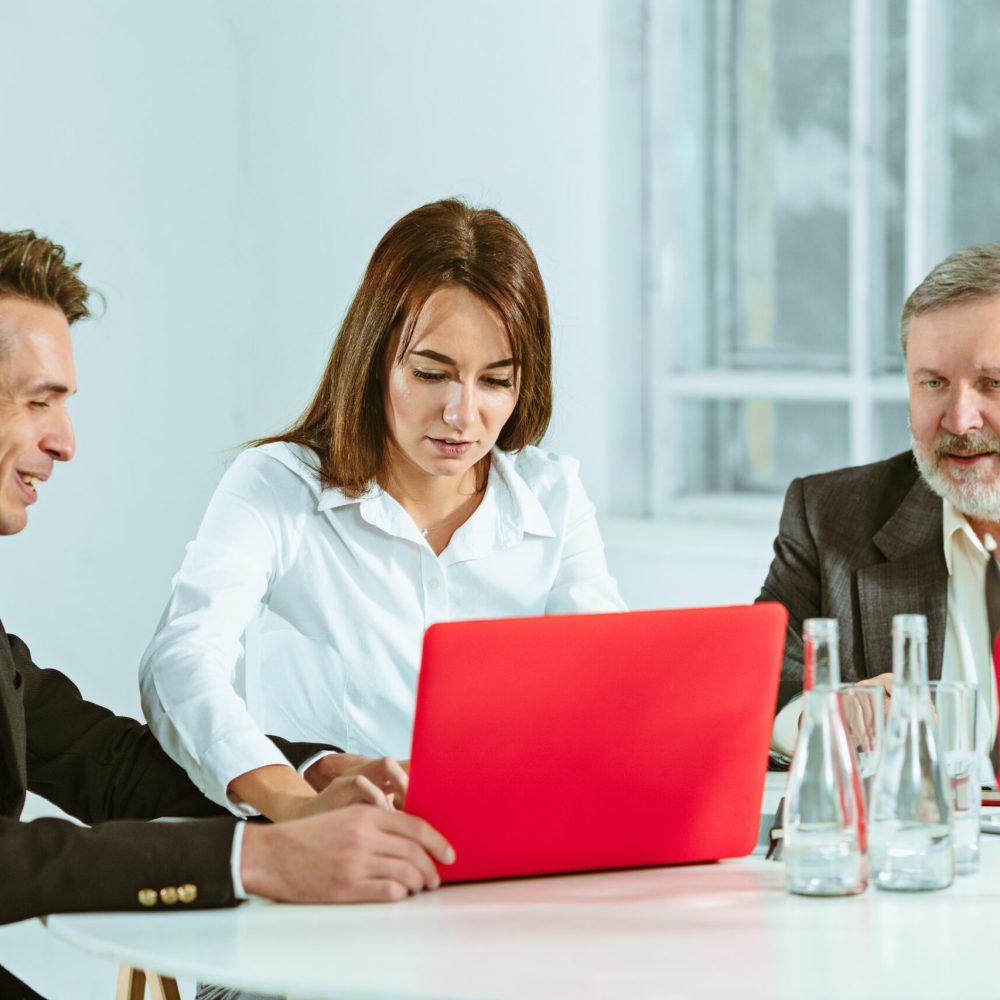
(964, 276)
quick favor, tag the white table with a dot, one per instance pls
(718, 930)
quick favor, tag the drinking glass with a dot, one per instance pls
(958, 720)
(864, 716)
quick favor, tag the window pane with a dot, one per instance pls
(891, 429)
(758, 445)
(890, 198)
(780, 194)
(973, 121)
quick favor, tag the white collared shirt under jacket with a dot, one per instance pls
(326, 599)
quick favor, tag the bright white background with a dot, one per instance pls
(224, 170)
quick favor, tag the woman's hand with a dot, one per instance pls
(386, 774)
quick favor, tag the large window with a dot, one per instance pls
(806, 164)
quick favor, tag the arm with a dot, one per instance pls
(582, 583)
(249, 532)
(794, 581)
(98, 766)
(53, 866)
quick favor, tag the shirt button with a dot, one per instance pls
(168, 895)
(434, 584)
(147, 897)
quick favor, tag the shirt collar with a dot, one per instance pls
(957, 530)
(509, 511)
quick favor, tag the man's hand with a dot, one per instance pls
(356, 854)
(885, 682)
(386, 774)
(858, 713)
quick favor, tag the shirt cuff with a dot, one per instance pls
(785, 731)
(303, 767)
(235, 858)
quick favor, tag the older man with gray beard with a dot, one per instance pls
(914, 533)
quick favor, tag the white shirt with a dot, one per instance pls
(330, 598)
(967, 655)
(966, 639)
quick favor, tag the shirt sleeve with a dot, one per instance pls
(583, 583)
(187, 672)
(785, 730)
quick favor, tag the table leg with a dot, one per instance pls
(131, 983)
(162, 987)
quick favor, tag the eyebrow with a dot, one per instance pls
(47, 388)
(445, 360)
(990, 371)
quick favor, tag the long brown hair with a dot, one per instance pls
(443, 243)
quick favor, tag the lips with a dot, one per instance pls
(451, 447)
(28, 482)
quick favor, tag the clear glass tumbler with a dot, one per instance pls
(956, 716)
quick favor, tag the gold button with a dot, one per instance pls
(168, 895)
(147, 897)
(187, 893)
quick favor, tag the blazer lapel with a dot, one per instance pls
(914, 580)
(12, 727)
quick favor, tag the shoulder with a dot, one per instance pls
(544, 472)
(280, 466)
(863, 495)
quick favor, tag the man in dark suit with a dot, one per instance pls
(914, 533)
(108, 771)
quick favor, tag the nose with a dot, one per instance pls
(460, 409)
(963, 413)
(59, 439)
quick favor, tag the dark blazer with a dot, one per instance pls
(108, 771)
(860, 545)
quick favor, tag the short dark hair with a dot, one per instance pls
(445, 243)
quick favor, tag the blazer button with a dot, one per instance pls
(187, 893)
(168, 895)
(147, 897)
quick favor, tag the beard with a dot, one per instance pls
(975, 492)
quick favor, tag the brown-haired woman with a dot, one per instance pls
(410, 491)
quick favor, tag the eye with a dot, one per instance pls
(933, 383)
(499, 383)
(38, 404)
(994, 383)
(426, 376)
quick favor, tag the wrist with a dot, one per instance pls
(276, 791)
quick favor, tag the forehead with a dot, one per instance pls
(462, 317)
(35, 343)
(963, 335)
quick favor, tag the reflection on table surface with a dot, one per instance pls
(703, 930)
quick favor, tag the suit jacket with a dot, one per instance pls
(108, 771)
(860, 545)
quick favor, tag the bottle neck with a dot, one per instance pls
(822, 664)
(909, 658)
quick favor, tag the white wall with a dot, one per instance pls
(224, 170)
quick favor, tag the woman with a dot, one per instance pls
(409, 492)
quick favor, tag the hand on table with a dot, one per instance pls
(355, 854)
(858, 713)
(385, 774)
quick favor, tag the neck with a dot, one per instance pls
(984, 528)
(430, 500)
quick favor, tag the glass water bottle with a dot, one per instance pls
(911, 822)
(824, 819)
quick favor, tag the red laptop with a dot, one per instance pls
(578, 742)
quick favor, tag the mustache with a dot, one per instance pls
(973, 443)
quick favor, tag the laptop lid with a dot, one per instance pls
(577, 742)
